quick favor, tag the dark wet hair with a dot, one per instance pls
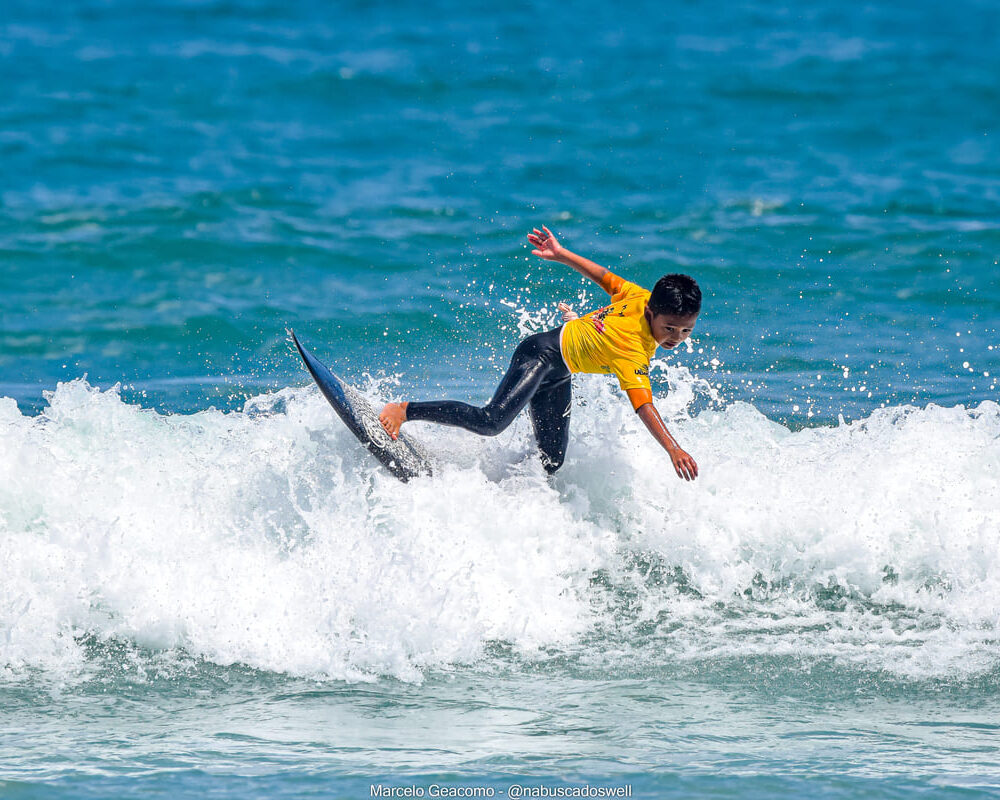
(677, 295)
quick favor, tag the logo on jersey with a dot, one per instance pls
(597, 318)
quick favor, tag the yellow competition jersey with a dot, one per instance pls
(614, 340)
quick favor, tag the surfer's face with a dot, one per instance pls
(669, 330)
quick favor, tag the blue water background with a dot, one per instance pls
(182, 181)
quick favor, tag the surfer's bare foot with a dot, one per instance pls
(392, 416)
(567, 312)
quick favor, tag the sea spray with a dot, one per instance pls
(268, 537)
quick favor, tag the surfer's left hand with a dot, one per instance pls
(684, 465)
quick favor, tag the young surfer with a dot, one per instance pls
(618, 339)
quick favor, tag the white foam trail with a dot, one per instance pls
(876, 542)
(269, 537)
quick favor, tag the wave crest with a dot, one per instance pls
(268, 537)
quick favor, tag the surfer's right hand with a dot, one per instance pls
(546, 245)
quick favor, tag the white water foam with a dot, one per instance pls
(269, 537)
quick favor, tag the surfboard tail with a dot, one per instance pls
(402, 457)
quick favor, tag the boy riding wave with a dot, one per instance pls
(618, 339)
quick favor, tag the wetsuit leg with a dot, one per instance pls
(549, 410)
(531, 364)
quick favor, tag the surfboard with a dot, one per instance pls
(403, 457)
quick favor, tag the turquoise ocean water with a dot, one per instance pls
(208, 589)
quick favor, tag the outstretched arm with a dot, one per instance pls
(548, 247)
(684, 465)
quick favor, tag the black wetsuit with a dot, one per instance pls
(537, 377)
